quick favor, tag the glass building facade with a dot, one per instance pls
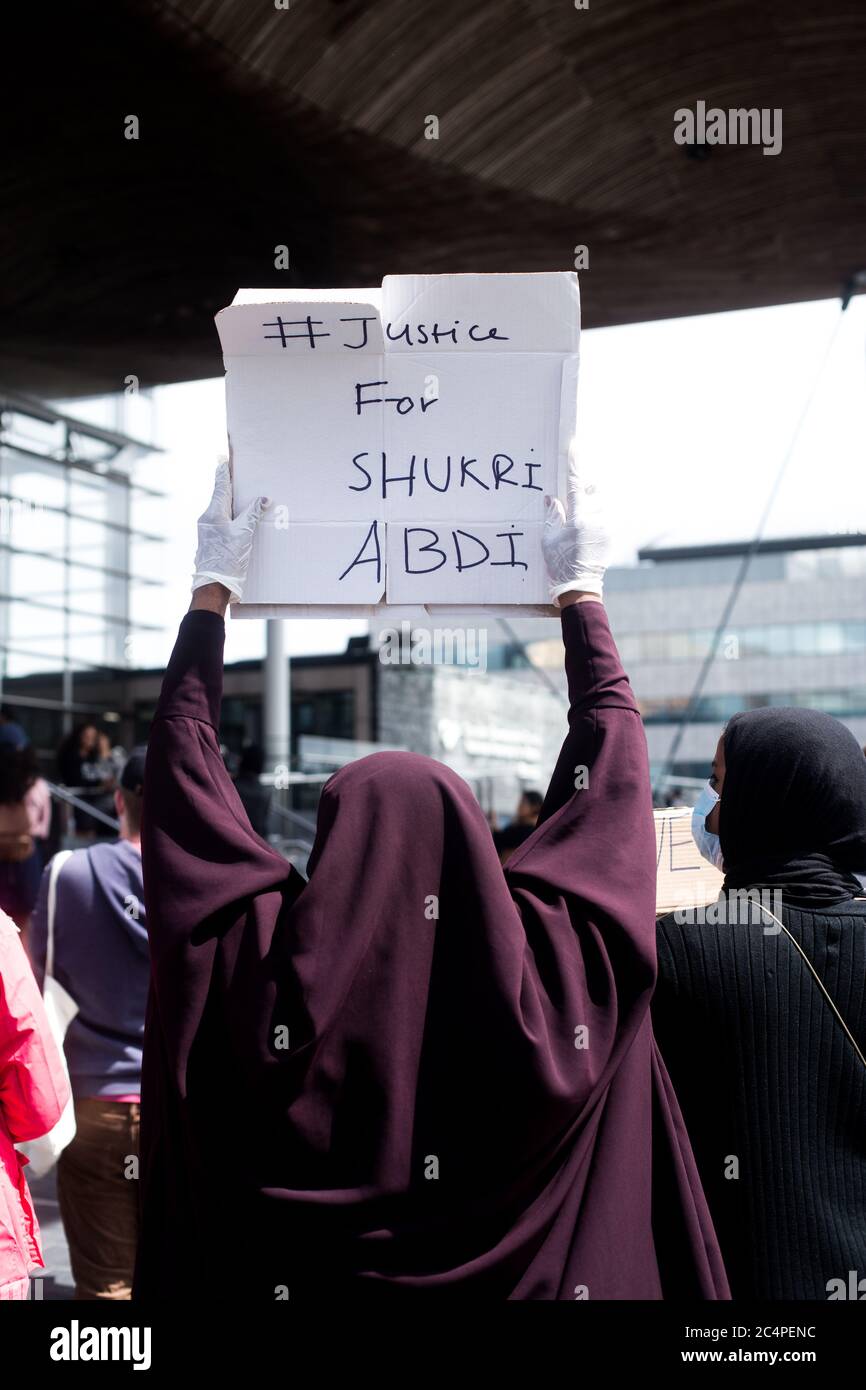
(69, 559)
(796, 636)
(824, 638)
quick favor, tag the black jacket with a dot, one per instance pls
(766, 1076)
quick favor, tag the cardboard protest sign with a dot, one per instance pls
(683, 878)
(406, 437)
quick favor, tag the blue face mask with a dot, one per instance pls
(706, 841)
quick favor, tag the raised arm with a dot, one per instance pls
(213, 888)
(199, 851)
(596, 836)
(595, 842)
(596, 681)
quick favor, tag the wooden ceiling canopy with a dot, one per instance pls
(307, 127)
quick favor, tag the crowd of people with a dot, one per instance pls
(32, 825)
(25, 821)
(469, 1064)
(89, 766)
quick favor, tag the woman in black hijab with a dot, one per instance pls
(760, 1010)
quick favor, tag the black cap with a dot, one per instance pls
(132, 776)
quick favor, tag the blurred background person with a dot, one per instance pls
(112, 754)
(38, 797)
(77, 747)
(101, 958)
(20, 862)
(101, 775)
(39, 813)
(509, 839)
(85, 767)
(33, 1093)
(760, 1013)
(528, 808)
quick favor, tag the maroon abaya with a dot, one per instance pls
(413, 1075)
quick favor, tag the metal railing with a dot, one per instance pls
(295, 848)
(69, 798)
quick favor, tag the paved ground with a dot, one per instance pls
(56, 1278)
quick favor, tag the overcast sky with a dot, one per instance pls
(687, 419)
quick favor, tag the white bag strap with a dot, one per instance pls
(53, 874)
(820, 983)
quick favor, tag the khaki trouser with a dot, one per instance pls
(98, 1202)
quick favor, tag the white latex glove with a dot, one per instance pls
(576, 541)
(225, 543)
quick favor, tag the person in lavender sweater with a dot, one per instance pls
(415, 1075)
(101, 958)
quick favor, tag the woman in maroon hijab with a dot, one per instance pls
(413, 1074)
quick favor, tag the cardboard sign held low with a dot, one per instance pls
(406, 437)
(683, 878)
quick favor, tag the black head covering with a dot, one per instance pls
(793, 807)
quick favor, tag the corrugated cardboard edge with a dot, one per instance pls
(392, 613)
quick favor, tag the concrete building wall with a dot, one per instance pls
(801, 584)
(792, 596)
(501, 731)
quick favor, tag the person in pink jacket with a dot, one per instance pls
(33, 1093)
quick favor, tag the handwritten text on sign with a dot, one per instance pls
(406, 441)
